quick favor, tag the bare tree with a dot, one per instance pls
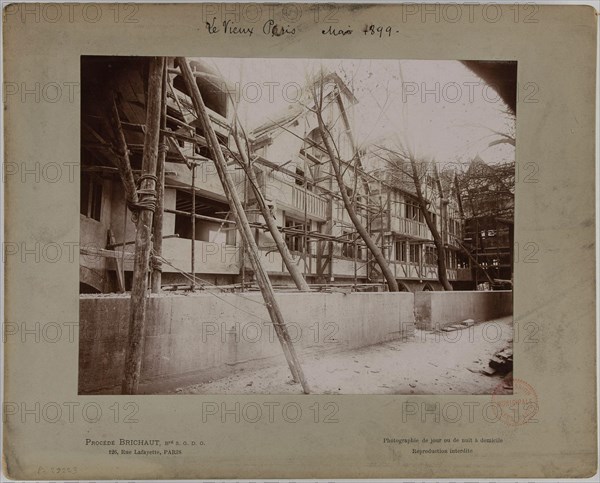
(334, 157)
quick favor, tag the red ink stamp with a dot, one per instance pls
(520, 407)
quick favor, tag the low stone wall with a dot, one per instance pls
(438, 309)
(187, 334)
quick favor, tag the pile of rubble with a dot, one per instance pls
(501, 362)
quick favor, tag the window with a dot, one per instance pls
(433, 218)
(410, 213)
(413, 212)
(294, 236)
(400, 247)
(430, 255)
(339, 209)
(300, 179)
(414, 253)
(203, 151)
(462, 261)
(90, 196)
(451, 259)
(347, 245)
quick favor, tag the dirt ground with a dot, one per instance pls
(428, 363)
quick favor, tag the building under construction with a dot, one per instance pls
(198, 244)
(186, 214)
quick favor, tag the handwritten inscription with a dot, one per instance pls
(379, 30)
(336, 31)
(248, 20)
(229, 27)
(275, 30)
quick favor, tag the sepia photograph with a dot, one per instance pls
(289, 226)
(318, 240)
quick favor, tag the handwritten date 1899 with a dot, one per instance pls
(379, 30)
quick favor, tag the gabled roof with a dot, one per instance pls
(335, 78)
(295, 110)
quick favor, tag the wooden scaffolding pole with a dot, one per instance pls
(160, 190)
(193, 247)
(121, 151)
(146, 206)
(269, 219)
(244, 227)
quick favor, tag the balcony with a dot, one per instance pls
(295, 199)
(308, 264)
(403, 226)
(411, 228)
(343, 267)
(304, 200)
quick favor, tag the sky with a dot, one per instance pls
(437, 110)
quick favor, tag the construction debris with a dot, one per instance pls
(501, 362)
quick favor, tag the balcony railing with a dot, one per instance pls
(294, 198)
(403, 226)
(412, 228)
(305, 200)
